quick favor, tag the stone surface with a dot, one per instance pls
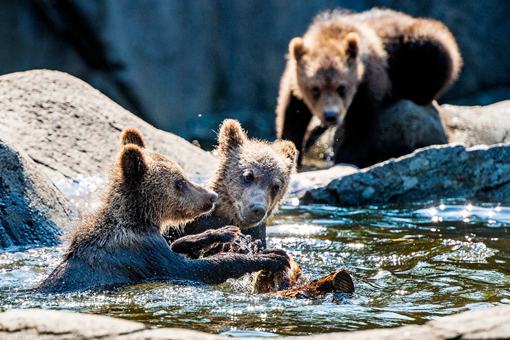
(52, 324)
(32, 209)
(70, 129)
(435, 172)
(472, 125)
(172, 60)
(303, 181)
(402, 127)
(406, 126)
(490, 323)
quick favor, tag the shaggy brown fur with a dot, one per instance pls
(132, 136)
(251, 172)
(121, 243)
(251, 179)
(348, 66)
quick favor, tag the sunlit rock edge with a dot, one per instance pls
(490, 323)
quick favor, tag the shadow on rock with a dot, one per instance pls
(32, 209)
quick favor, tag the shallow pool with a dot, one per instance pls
(409, 265)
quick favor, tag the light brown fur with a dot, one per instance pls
(121, 243)
(156, 201)
(271, 165)
(348, 66)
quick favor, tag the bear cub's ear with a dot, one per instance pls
(288, 149)
(297, 48)
(132, 163)
(352, 45)
(231, 136)
(132, 136)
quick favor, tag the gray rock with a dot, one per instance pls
(472, 125)
(32, 209)
(52, 324)
(406, 126)
(490, 323)
(70, 129)
(435, 172)
(303, 181)
(400, 129)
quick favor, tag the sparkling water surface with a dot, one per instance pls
(409, 266)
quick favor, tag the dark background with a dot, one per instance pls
(186, 65)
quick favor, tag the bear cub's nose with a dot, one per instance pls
(257, 211)
(330, 117)
(213, 197)
(209, 201)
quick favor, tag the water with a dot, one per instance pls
(409, 266)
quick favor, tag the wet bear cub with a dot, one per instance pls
(251, 179)
(121, 242)
(347, 67)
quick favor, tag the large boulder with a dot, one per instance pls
(68, 128)
(435, 172)
(32, 209)
(490, 323)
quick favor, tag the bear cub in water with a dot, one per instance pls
(121, 243)
(251, 179)
(256, 174)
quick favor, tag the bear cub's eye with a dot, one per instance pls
(180, 185)
(248, 177)
(341, 90)
(316, 92)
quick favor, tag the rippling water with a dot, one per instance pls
(409, 266)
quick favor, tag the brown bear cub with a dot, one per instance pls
(121, 242)
(349, 66)
(251, 179)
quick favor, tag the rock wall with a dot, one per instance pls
(171, 61)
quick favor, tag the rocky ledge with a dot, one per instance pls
(435, 172)
(491, 323)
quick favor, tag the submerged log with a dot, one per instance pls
(338, 282)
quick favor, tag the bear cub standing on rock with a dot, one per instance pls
(349, 66)
(121, 242)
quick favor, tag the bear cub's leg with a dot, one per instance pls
(194, 246)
